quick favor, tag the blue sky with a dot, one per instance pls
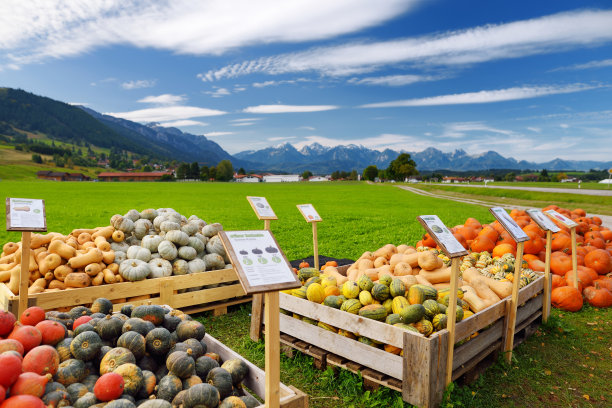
(529, 79)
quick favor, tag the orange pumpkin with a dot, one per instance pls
(467, 232)
(604, 282)
(560, 263)
(535, 243)
(584, 277)
(482, 243)
(489, 232)
(428, 241)
(505, 238)
(304, 264)
(606, 234)
(558, 281)
(537, 265)
(569, 278)
(533, 227)
(598, 296)
(501, 249)
(596, 220)
(461, 239)
(599, 260)
(561, 241)
(566, 298)
(473, 222)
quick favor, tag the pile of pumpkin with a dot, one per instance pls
(135, 246)
(147, 356)
(594, 254)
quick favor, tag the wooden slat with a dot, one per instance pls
(206, 295)
(474, 362)
(529, 309)
(424, 366)
(475, 346)
(530, 290)
(372, 329)
(361, 353)
(479, 320)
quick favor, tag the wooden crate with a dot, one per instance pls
(420, 373)
(290, 397)
(160, 290)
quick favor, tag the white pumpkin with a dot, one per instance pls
(138, 252)
(214, 261)
(215, 246)
(201, 238)
(197, 244)
(211, 230)
(123, 224)
(151, 242)
(190, 228)
(197, 265)
(141, 228)
(132, 241)
(120, 256)
(148, 214)
(167, 250)
(133, 215)
(119, 246)
(178, 237)
(160, 268)
(169, 226)
(134, 270)
(186, 252)
(157, 221)
(180, 267)
(155, 255)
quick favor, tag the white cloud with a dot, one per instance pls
(243, 124)
(138, 84)
(180, 123)
(35, 30)
(307, 128)
(288, 108)
(165, 99)
(218, 92)
(467, 129)
(380, 142)
(78, 103)
(276, 83)
(564, 126)
(166, 113)
(498, 95)
(534, 129)
(276, 139)
(392, 80)
(216, 134)
(244, 120)
(587, 65)
(554, 33)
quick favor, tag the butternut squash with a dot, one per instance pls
(7, 267)
(13, 284)
(50, 262)
(87, 245)
(72, 241)
(39, 240)
(402, 269)
(113, 267)
(380, 261)
(333, 271)
(77, 280)
(105, 232)
(10, 248)
(372, 273)
(428, 260)
(366, 255)
(76, 232)
(109, 276)
(6, 259)
(93, 269)
(56, 284)
(33, 264)
(422, 280)
(484, 291)
(365, 264)
(102, 244)
(401, 258)
(412, 259)
(5, 275)
(472, 299)
(61, 272)
(40, 255)
(386, 251)
(383, 270)
(439, 275)
(79, 261)
(62, 249)
(98, 279)
(401, 248)
(38, 286)
(501, 289)
(408, 280)
(410, 250)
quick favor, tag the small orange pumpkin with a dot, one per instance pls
(598, 296)
(566, 298)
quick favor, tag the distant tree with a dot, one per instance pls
(204, 173)
(510, 176)
(36, 158)
(225, 170)
(353, 175)
(370, 173)
(402, 167)
(181, 172)
(194, 171)
(439, 176)
(146, 168)
(544, 176)
(305, 175)
(58, 160)
(241, 171)
(335, 175)
(561, 176)
(69, 163)
(212, 172)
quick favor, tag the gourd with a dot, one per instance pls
(432, 308)
(380, 292)
(376, 312)
(180, 267)
(215, 246)
(109, 387)
(134, 270)
(132, 377)
(168, 225)
(439, 275)
(160, 268)
(151, 242)
(141, 228)
(214, 261)
(476, 303)
(412, 313)
(41, 360)
(397, 288)
(211, 230)
(221, 379)
(153, 313)
(138, 325)
(177, 237)
(133, 341)
(102, 305)
(428, 260)
(159, 341)
(190, 329)
(351, 306)
(109, 327)
(86, 346)
(398, 303)
(196, 265)
(76, 391)
(167, 250)
(148, 384)
(114, 358)
(148, 214)
(181, 364)
(197, 244)
(138, 252)
(186, 252)
(190, 228)
(204, 364)
(77, 280)
(237, 368)
(169, 386)
(70, 371)
(439, 321)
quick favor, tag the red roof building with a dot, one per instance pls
(142, 176)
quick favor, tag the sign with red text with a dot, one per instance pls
(309, 212)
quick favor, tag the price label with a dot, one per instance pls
(25, 214)
(309, 212)
(509, 224)
(561, 218)
(543, 221)
(262, 208)
(442, 235)
(259, 262)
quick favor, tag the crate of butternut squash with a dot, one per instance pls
(388, 312)
(154, 256)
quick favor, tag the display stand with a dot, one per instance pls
(554, 215)
(312, 216)
(454, 250)
(547, 225)
(264, 212)
(25, 215)
(520, 237)
(262, 267)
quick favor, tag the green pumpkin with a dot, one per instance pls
(232, 402)
(204, 364)
(397, 288)
(191, 381)
(85, 327)
(197, 350)
(109, 328)
(376, 312)
(306, 273)
(202, 396)
(133, 378)
(70, 371)
(86, 401)
(405, 326)
(102, 305)
(458, 314)
(115, 358)
(351, 306)
(127, 309)
(424, 326)
(63, 349)
(90, 381)
(54, 386)
(134, 342)
(86, 346)
(380, 292)
(221, 380)
(152, 313)
(180, 364)
(57, 398)
(148, 385)
(412, 313)
(250, 401)
(168, 387)
(333, 301)
(76, 391)
(432, 308)
(179, 399)
(138, 325)
(172, 320)
(393, 318)
(159, 341)
(439, 321)
(237, 368)
(79, 311)
(190, 329)
(365, 283)
(386, 279)
(118, 403)
(154, 403)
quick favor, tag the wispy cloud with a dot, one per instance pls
(218, 92)
(36, 30)
(272, 83)
(243, 124)
(138, 84)
(380, 142)
(460, 130)
(392, 80)
(181, 123)
(165, 99)
(276, 139)
(534, 129)
(288, 108)
(554, 33)
(498, 95)
(102, 81)
(217, 134)
(166, 113)
(588, 65)
(307, 128)
(244, 120)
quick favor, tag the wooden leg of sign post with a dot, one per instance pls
(574, 258)
(547, 280)
(452, 313)
(257, 306)
(315, 244)
(511, 314)
(24, 277)
(272, 354)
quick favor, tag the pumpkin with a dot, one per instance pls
(351, 306)
(122, 402)
(90, 380)
(167, 250)
(211, 230)
(138, 252)
(196, 265)
(148, 384)
(51, 332)
(191, 329)
(215, 246)
(180, 267)
(159, 341)
(596, 296)
(114, 358)
(160, 268)
(28, 336)
(566, 298)
(23, 401)
(134, 270)
(558, 281)
(204, 364)
(214, 261)
(598, 260)
(171, 320)
(86, 401)
(148, 363)
(11, 368)
(380, 292)
(202, 395)
(86, 346)
(237, 368)
(32, 316)
(424, 326)
(439, 321)
(232, 402)
(412, 313)
(109, 327)
(221, 379)
(63, 349)
(133, 341)
(7, 322)
(70, 371)
(604, 282)
(250, 401)
(41, 360)
(168, 387)
(76, 391)
(197, 349)
(56, 399)
(152, 313)
(181, 364)
(191, 381)
(132, 377)
(108, 387)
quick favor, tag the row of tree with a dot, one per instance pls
(223, 171)
(399, 169)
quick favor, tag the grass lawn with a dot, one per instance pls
(550, 184)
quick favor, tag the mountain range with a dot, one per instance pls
(24, 111)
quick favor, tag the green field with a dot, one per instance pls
(566, 363)
(549, 184)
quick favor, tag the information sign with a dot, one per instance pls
(509, 224)
(25, 214)
(561, 218)
(543, 221)
(442, 235)
(262, 208)
(309, 212)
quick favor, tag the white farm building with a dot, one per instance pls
(281, 178)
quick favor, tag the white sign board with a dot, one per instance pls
(262, 208)
(309, 212)
(543, 221)
(442, 235)
(261, 265)
(509, 224)
(25, 214)
(562, 218)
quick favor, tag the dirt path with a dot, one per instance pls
(606, 219)
(607, 193)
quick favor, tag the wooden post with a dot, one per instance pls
(315, 244)
(547, 279)
(257, 306)
(574, 258)
(272, 354)
(511, 320)
(24, 276)
(452, 317)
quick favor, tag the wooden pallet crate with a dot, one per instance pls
(290, 397)
(148, 291)
(420, 373)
